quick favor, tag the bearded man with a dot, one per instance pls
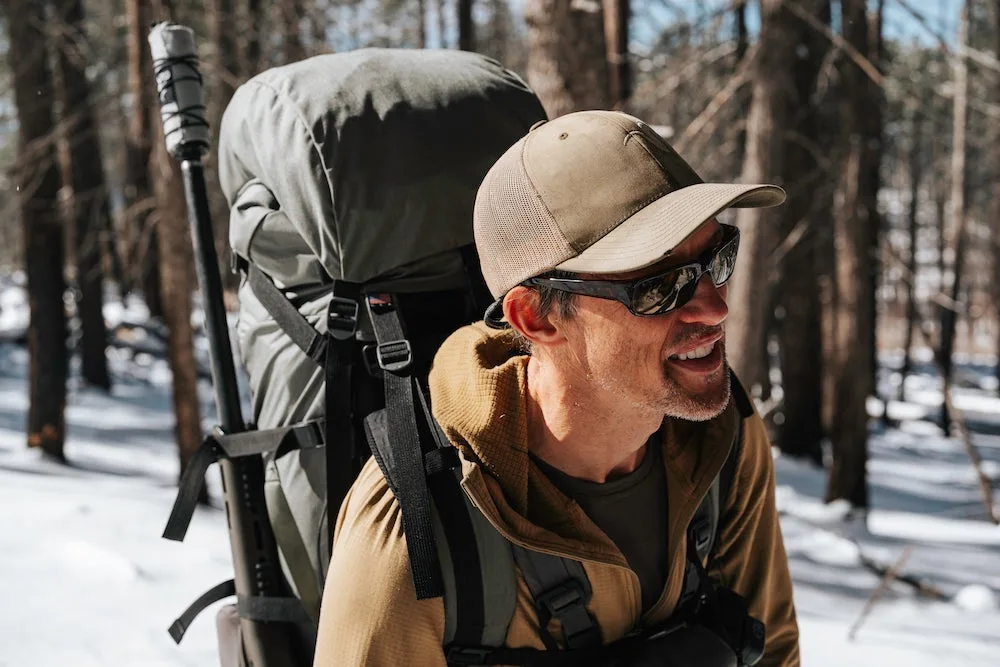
(594, 412)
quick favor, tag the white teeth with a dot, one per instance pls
(697, 353)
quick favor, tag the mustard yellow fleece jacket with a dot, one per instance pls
(370, 614)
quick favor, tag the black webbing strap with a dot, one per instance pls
(273, 609)
(396, 359)
(694, 572)
(334, 352)
(338, 362)
(453, 510)
(211, 596)
(287, 316)
(232, 445)
(561, 590)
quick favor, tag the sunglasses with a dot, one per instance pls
(661, 293)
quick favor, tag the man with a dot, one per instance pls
(602, 248)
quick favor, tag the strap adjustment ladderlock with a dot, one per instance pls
(467, 655)
(701, 531)
(395, 356)
(342, 317)
(561, 598)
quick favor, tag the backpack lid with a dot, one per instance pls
(356, 165)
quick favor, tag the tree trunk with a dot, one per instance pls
(37, 184)
(996, 228)
(958, 213)
(773, 90)
(291, 15)
(616, 33)
(800, 330)
(89, 208)
(221, 17)
(441, 24)
(421, 24)
(916, 175)
(177, 271)
(250, 40)
(851, 366)
(466, 26)
(741, 95)
(873, 137)
(139, 196)
(567, 60)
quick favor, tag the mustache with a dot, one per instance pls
(694, 333)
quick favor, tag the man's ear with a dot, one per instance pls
(520, 309)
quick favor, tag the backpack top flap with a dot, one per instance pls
(354, 165)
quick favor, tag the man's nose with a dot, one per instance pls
(707, 306)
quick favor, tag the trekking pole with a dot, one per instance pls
(255, 555)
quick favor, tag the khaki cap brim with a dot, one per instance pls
(650, 233)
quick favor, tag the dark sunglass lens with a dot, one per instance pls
(659, 294)
(724, 263)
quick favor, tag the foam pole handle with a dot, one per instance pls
(179, 88)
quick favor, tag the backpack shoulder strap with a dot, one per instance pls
(476, 564)
(704, 527)
(561, 591)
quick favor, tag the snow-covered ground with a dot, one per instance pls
(88, 581)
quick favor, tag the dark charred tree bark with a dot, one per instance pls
(88, 207)
(466, 26)
(958, 216)
(800, 329)
(139, 196)
(852, 317)
(773, 91)
(567, 59)
(291, 16)
(916, 169)
(616, 20)
(37, 183)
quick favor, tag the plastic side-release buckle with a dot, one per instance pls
(395, 356)
(342, 317)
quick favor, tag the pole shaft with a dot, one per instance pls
(255, 553)
(227, 397)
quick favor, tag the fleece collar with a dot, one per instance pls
(479, 396)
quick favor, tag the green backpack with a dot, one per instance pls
(351, 180)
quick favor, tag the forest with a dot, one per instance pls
(869, 302)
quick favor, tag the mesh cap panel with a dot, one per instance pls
(516, 236)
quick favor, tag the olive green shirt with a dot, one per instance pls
(632, 511)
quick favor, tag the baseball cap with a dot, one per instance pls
(592, 192)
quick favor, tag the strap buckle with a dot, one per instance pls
(701, 531)
(561, 598)
(467, 655)
(395, 356)
(342, 317)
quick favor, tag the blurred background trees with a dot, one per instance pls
(878, 117)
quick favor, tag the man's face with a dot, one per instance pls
(672, 364)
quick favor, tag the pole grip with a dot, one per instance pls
(180, 89)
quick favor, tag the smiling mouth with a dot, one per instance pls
(697, 353)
